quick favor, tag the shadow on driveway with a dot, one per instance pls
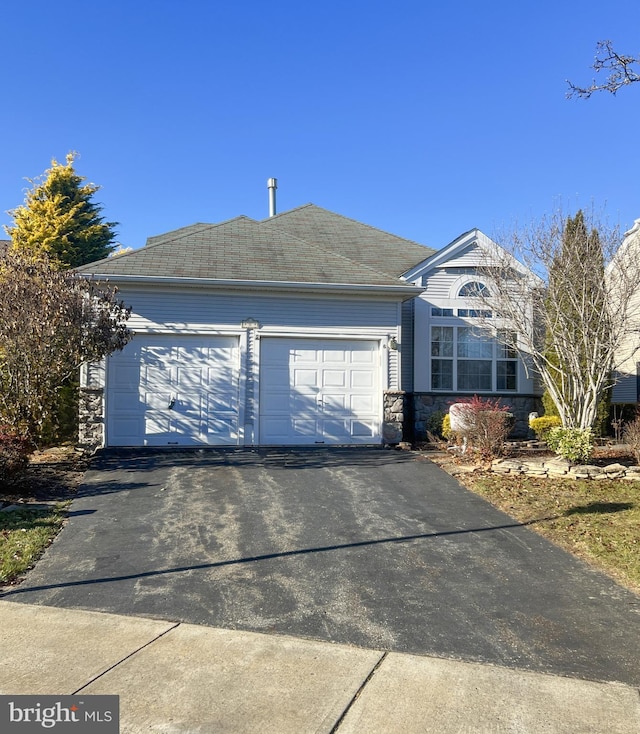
(369, 547)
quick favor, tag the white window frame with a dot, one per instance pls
(448, 353)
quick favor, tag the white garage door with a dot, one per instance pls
(319, 391)
(168, 390)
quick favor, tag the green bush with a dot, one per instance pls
(541, 426)
(434, 424)
(573, 444)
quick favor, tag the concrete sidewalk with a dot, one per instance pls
(175, 677)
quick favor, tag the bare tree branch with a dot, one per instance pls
(567, 320)
(620, 67)
(51, 321)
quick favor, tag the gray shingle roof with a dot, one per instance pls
(333, 250)
(4, 246)
(360, 242)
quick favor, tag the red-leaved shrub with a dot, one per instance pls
(485, 423)
(14, 452)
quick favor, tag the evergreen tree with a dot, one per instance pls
(576, 311)
(60, 220)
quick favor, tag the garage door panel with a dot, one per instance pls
(334, 378)
(362, 404)
(157, 401)
(335, 356)
(128, 427)
(363, 430)
(319, 391)
(364, 379)
(364, 356)
(304, 378)
(156, 423)
(190, 378)
(302, 355)
(125, 375)
(168, 390)
(335, 403)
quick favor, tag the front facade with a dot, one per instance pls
(202, 369)
(246, 334)
(457, 350)
(304, 329)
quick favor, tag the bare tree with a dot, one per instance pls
(51, 321)
(623, 70)
(564, 313)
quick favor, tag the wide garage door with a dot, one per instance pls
(173, 390)
(319, 391)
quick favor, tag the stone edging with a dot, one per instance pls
(555, 467)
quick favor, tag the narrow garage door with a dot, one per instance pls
(168, 390)
(319, 391)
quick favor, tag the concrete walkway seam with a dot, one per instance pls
(356, 695)
(125, 658)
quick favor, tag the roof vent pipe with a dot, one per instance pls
(272, 185)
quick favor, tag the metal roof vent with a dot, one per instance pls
(272, 185)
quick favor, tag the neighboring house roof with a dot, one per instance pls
(312, 246)
(4, 247)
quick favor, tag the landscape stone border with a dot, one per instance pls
(556, 467)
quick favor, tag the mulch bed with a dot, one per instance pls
(52, 475)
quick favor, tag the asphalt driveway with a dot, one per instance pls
(375, 548)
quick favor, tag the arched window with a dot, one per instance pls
(474, 289)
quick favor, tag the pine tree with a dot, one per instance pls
(60, 219)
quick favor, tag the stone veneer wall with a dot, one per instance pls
(425, 404)
(91, 418)
(395, 413)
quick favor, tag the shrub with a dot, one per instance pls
(446, 429)
(14, 452)
(573, 444)
(631, 435)
(434, 424)
(541, 426)
(487, 425)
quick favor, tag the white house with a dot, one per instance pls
(454, 352)
(306, 328)
(626, 390)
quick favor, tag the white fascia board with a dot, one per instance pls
(407, 291)
(453, 249)
(440, 257)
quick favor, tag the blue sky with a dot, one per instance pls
(424, 119)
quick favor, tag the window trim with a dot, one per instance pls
(499, 370)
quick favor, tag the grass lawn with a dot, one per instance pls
(44, 491)
(24, 535)
(597, 520)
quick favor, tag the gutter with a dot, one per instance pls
(408, 291)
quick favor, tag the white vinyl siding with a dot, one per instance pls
(626, 388)
(184, 310)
